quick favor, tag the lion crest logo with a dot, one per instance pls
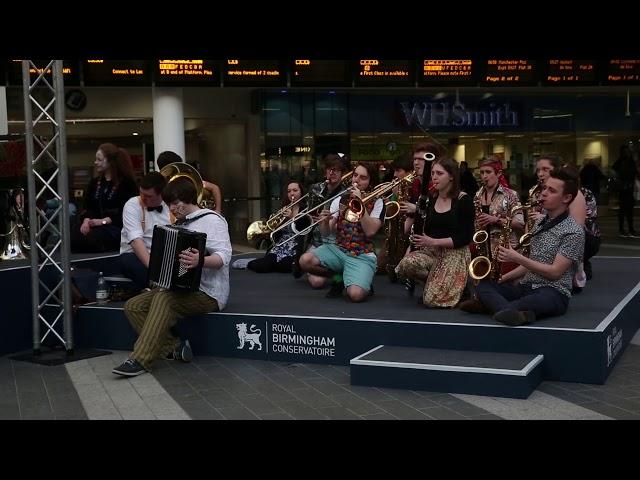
(245, 337)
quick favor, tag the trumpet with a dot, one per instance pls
(355, 209)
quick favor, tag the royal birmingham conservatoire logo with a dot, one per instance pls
(252, 337)
(614, 344)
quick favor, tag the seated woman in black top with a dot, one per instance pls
(106, 195)
(441, 235)
(280, 258)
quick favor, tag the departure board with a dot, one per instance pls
(376, 72)
(116, 72)
(70, 71)
(332, 73)
(509, 72)
(623, 72)
(447, 72)
(187, 72)
(570, 72)
(248, 73)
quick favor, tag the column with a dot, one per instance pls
(168, 121)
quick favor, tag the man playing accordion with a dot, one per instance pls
(152, 314)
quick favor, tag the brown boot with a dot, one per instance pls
(473, 305)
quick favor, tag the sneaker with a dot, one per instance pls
(623, 234)
(130, 368)
(336, 290)
(633, 234)
(515, 317)
(182, 352)
(473, 305)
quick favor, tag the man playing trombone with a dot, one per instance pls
(335, 166)
(352, 259)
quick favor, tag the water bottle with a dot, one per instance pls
(102, 292)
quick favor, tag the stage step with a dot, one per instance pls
(491, 374)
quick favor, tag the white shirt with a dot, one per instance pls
(214, 282)
(132, 227)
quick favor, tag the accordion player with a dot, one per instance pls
(165, 268)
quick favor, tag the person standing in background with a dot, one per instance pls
(627, 172)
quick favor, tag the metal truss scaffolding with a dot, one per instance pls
(48, 185)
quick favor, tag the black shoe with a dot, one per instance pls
(296, 271)
(130, 368)
(182, 352)
(623, 234)
(633, 234)
(515, 317)
(336, 290)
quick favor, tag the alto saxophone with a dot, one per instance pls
(397, 241)
(481, 236)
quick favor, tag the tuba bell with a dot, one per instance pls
(176, 170)
(17, 245)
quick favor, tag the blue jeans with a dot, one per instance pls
(544, 301)
(131, 267)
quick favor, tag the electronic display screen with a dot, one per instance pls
(70, 72)
(376, 72)
(307, 73)
(623, 72)
(447, 72)
(187, 72)
(509, 72)
(98, 72)
(570, 72)
(247, 73)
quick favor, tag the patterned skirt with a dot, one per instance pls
(443, 269)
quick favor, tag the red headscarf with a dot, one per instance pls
(497, 167)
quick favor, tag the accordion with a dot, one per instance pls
(165, 269)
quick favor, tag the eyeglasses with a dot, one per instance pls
(334, 170)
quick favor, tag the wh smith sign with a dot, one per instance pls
(441, 114)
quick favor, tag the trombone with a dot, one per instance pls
(302, 213)
(306, 213)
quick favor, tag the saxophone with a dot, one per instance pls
(482, 267)
(481, 236)
(531, 206)
(397, 241)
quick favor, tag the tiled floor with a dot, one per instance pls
(214, 388)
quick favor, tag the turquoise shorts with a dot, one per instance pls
(355, 270)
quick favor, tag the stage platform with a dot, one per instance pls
(275, 317)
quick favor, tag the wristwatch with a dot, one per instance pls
(104, 222)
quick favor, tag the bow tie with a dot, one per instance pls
(157, 209)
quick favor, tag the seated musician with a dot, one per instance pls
(442, 239)
(139, 215)
(335, 166)
(351, 261)
(423, 155)
(167, 157)
(396, 242)
(280, 256)
(578, 209)
(153, 314)
(557, 245)
(493, 203)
